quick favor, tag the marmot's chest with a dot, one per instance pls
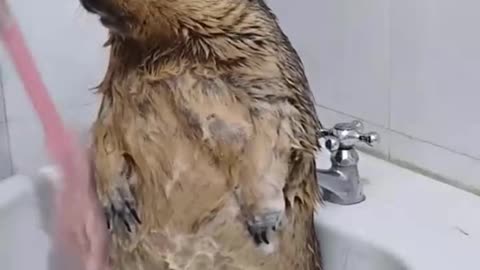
(205, 111)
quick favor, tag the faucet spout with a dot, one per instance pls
(341, 186)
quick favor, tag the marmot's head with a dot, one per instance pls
(170, 19)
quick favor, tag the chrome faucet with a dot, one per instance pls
(341, 183)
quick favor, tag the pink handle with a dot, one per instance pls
(80, 227)
(32, 81)
(59, 142)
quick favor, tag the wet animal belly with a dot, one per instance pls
(192, 218)
(185, 184)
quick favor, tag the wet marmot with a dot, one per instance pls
(205, 139)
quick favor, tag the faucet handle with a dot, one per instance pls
(347, 135)
(355, 125)
(370, 138)
(332, 143)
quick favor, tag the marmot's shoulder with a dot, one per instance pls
(231, 36)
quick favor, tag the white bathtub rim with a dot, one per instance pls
(14, 188)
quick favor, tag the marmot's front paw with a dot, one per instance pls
(261, 227)
(121, 208)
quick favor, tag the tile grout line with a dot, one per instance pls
(434, 144)
(5, 123)
(390, 76)
(351, 116)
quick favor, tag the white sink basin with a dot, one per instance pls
(408, 222)
(344, 251)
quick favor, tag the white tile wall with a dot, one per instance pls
(28, 157)
(453, 168)
(436, 73)
(344, 46)
(67, 45)
(409, 69)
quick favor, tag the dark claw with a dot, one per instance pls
(257, 240)
(124, 213)
(107, 218)
(264, 237)
(133, 212)
(121, 210)
(128, 215)
(259, 229)
(259, 234)
(129, 229)
(255, 235)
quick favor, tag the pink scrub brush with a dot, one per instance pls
(79, 220)
(55, 132)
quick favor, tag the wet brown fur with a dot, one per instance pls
(208, 119)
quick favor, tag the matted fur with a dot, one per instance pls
(207, 123)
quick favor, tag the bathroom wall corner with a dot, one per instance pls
(6, 168)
